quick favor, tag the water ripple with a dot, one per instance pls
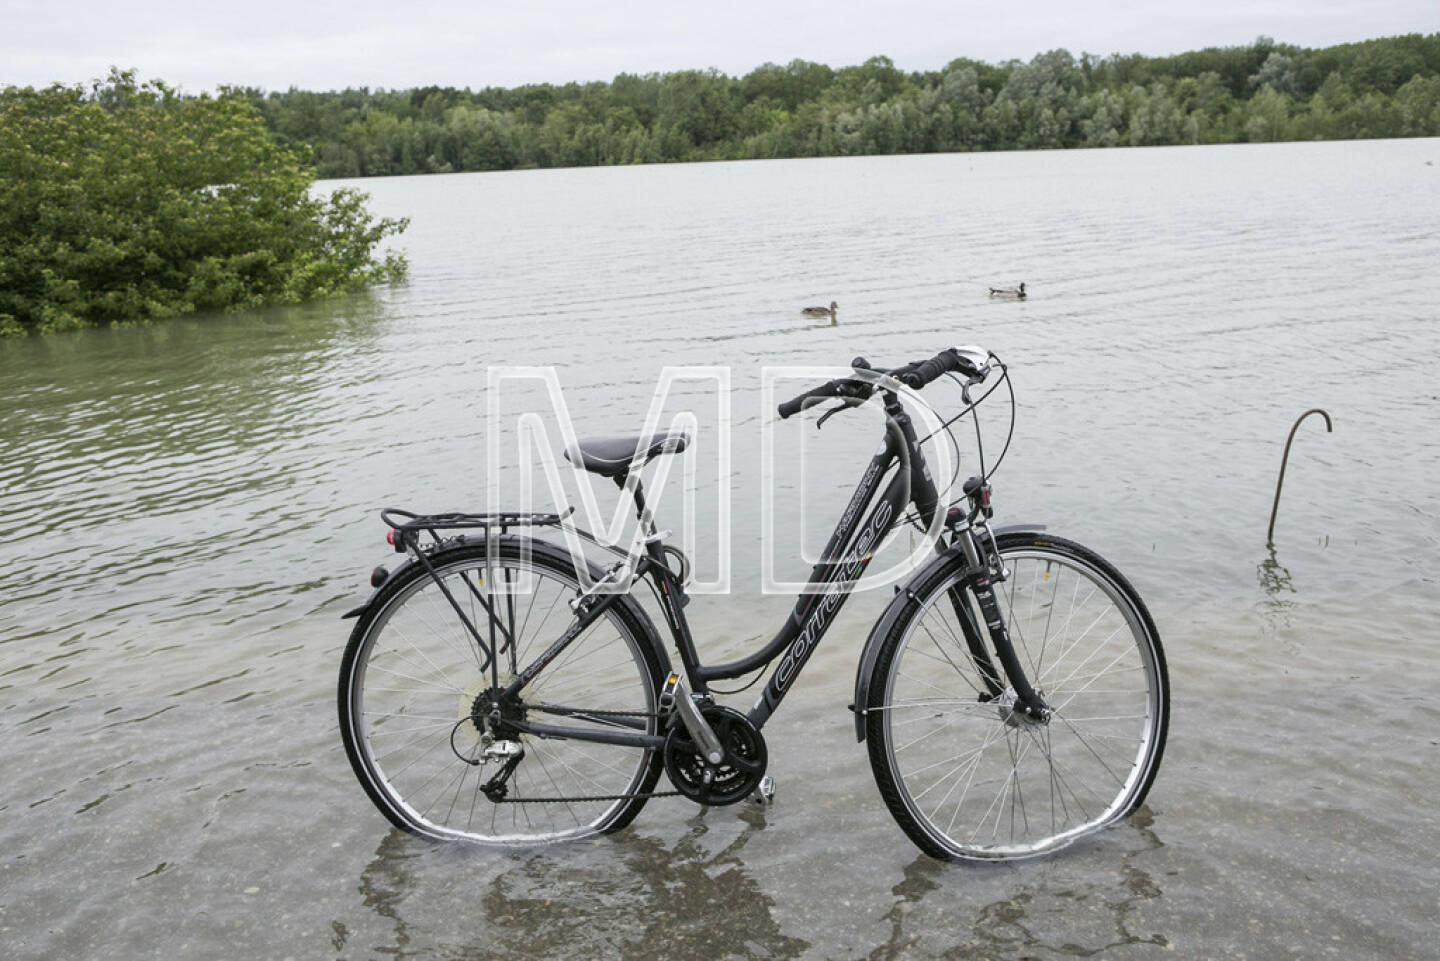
(192, 505)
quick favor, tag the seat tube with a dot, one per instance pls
(671, 592)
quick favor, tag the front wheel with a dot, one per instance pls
(968, 775)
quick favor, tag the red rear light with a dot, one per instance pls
(390, 537)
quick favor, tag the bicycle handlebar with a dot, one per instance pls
(818, 395)
(973, 362)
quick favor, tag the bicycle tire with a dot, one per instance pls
(1009, 788)
(411, 674)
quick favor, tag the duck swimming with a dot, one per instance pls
(1009, 293)
(820, 311)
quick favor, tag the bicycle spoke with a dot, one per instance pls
(418, 679)
(982, 778)
(961, 674)
(411, 677)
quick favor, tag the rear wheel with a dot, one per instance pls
(964, 772)
(421, 711)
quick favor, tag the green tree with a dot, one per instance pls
(1155, 117)
(1267, 115)
(701, 103)
(873, 82)
(1107, 118)
(1322, 115)
(126, 202)
(961, 90)
(1418, 102)
(1383, 67)
(1278, 71)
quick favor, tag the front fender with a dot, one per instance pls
(903, 596)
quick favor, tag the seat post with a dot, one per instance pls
(638, 494)
(622, 479)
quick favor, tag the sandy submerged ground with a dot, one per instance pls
(1290, 819)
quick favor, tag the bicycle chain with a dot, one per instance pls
(593, 797)
(598, 711)
(647, 795)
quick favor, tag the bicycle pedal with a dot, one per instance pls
(764, 792)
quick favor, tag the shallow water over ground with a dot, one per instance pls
(192, 506)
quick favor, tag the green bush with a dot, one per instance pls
(127, 202)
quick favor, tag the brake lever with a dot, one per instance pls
(965, 388)
(831, 413)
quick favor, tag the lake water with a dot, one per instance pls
(192, 505)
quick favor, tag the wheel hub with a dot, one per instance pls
(1013, 713)
(491, 714)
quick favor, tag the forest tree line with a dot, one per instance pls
(1266, 91)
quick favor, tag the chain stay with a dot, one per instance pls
(503, 799)
(592, 797)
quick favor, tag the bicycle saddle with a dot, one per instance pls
(612, 456)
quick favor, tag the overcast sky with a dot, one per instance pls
(329, 45)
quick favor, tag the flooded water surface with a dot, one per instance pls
(192, 506)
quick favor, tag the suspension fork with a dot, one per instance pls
(983, 569)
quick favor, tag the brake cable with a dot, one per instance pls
(970, 408)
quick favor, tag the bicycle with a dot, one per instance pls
(1013, 697)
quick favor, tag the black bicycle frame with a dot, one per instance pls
(843, 561)
(848, 552)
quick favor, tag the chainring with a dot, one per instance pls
(739, 771)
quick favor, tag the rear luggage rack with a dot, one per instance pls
(405, 524)
(406, 528)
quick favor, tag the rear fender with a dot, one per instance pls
(369, 602)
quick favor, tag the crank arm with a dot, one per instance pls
(701, 734)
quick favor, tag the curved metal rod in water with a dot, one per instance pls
(1270, 534)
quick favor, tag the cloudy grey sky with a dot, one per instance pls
(320, 45)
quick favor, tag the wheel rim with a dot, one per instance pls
(418, 674)
(982, 780)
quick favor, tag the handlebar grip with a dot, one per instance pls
(942, 363)
(793, 406)
(813, 396)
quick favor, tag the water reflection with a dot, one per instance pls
(1274, 578)
(643, 897)
(635, 897)
(138, 464)
(1276, 607)
(921, 877)
(384, 885)
(1084, 920)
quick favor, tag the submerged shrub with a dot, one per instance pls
(128, 202)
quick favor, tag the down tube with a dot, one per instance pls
(837, 590)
